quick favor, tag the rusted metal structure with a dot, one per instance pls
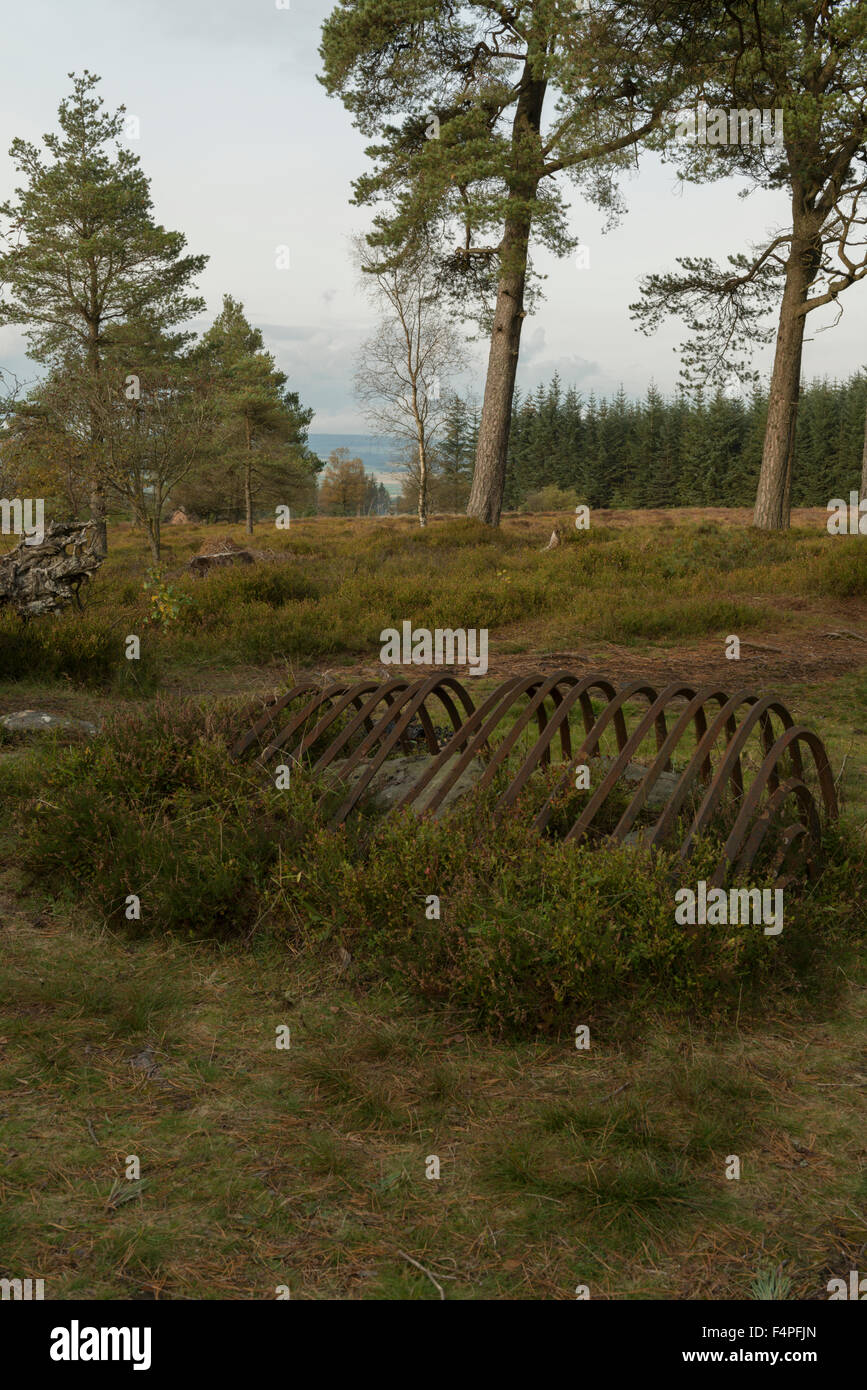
(737, 760)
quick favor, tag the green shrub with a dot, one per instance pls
(88, 651)
(843, 572)
(551, 498)
(154, 807)
(535, 933)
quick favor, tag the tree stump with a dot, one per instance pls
(44, 578)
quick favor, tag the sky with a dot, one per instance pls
(246, 153)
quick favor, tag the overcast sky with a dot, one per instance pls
(245, 153)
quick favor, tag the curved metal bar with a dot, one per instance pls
(343, 696)
(461, 737)
(524, 687)
(699, 766)
(383, 712)
(272, 709)
(736, 855)
(389, 692)
(580, 692)
(724, 720)
(547, 727)
(613, 711)
(652, 718)
(715, 791)
(407, 704)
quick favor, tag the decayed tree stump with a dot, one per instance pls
(44, 578)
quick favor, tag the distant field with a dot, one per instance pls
(307, 1167)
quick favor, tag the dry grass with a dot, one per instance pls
(306, 1167)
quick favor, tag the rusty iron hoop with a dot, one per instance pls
(373, 719)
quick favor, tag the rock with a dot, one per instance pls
(30, 721)
(397, 775)
(662, 789)
(146, 1061)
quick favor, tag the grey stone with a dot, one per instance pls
(36, 721)
(397, 775)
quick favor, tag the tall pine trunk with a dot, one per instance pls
(248, 479)
(774, 494)
(864, 462)
(97, 488)
(489, 475)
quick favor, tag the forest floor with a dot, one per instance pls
(307, 1168)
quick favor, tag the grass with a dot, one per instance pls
(334, 586)
(306, 1167)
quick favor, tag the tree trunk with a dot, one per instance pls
(489, 475)
(97, 488)
(422, 483)
(774, 494)
(248, 480)
(45, 578)
(97, 516)
(864, 463)
(154, 538)
(422, 457)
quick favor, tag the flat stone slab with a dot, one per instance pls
(397, 775)
(31, 721)
(662, 789)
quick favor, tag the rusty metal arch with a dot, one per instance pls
(383, 711)
(534, 689)
(336, 699)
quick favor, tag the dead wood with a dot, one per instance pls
(45, 577)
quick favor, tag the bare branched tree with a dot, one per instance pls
(403, 369)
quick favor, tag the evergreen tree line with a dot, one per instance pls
(679, 451)
(687, 450)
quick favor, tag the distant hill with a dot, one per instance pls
(378, 453)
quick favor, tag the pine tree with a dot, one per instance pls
(261, 425)
(496, 101)
(803, 63)
(85, 255)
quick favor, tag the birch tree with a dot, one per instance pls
(404, 368)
